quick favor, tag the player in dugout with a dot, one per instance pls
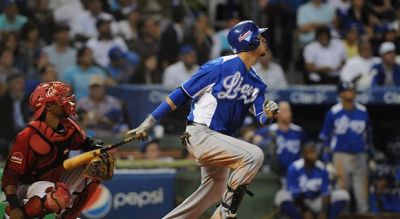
(308, 193)
(34, 181)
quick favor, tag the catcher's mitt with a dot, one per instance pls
(101, 167)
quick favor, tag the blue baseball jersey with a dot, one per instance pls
(288, 143)
(310, 183)
(346, 131)
(222, 93)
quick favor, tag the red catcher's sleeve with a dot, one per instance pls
(19, 159)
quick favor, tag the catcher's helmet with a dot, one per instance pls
(52, 92)
(243, 36)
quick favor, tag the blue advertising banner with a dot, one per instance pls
(141, 100)
(133, 194)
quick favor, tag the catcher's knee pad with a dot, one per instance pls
(282, 196)
(57, 198)
(80, 201)
(101, 167)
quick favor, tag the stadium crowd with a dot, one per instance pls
(94, 44)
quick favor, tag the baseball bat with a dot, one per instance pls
(86, 157)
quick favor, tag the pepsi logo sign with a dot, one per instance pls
(99, 205)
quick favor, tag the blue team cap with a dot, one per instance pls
(186, 49)
(345, 85)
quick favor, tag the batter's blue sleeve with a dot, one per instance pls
(200, 81)
(178, 97)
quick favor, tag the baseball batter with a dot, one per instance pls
(222, 92)
(34, 181)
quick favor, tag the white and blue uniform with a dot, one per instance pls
(348, 134)
(309, 185)
(288, 143)
(223, 91)
(346, 131)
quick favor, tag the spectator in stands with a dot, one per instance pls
(128, 27)
(182, 70)
(40, 14)
(340, 5)
(323, 58)
(148, 40)
(148, 72)
(202, 38)
(9, 41)
(350, 41)
(172, 38)
(122, 65)
(10, 19)
(15, 111)
(105, 40)
(390, 35)
(270, 72)
(66, 11)
(308, 190)
(78, 76)
(122, 8)
(386, 73)
(220, 38)
(346, 134)
(311, 16)
(283, 139)
(385, 10)
(360, 15)
(358, 68)
(59, 53)
(6, 68)
(30, 46)
(151, 149)
(84, 25)
(101, 114)
(46, 74)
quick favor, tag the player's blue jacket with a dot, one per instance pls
(223, 91)
(346, 131)
(307, 183)
(288, 143)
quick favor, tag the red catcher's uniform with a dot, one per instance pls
(39, 151)
(35, 167)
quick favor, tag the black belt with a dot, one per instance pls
(188, 122)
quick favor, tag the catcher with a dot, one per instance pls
(34, 181)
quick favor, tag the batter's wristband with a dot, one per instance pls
(13, 201)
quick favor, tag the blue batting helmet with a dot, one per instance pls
(243, 36)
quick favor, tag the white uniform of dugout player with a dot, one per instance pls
(222, 92)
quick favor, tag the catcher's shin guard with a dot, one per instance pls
(80, 201)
